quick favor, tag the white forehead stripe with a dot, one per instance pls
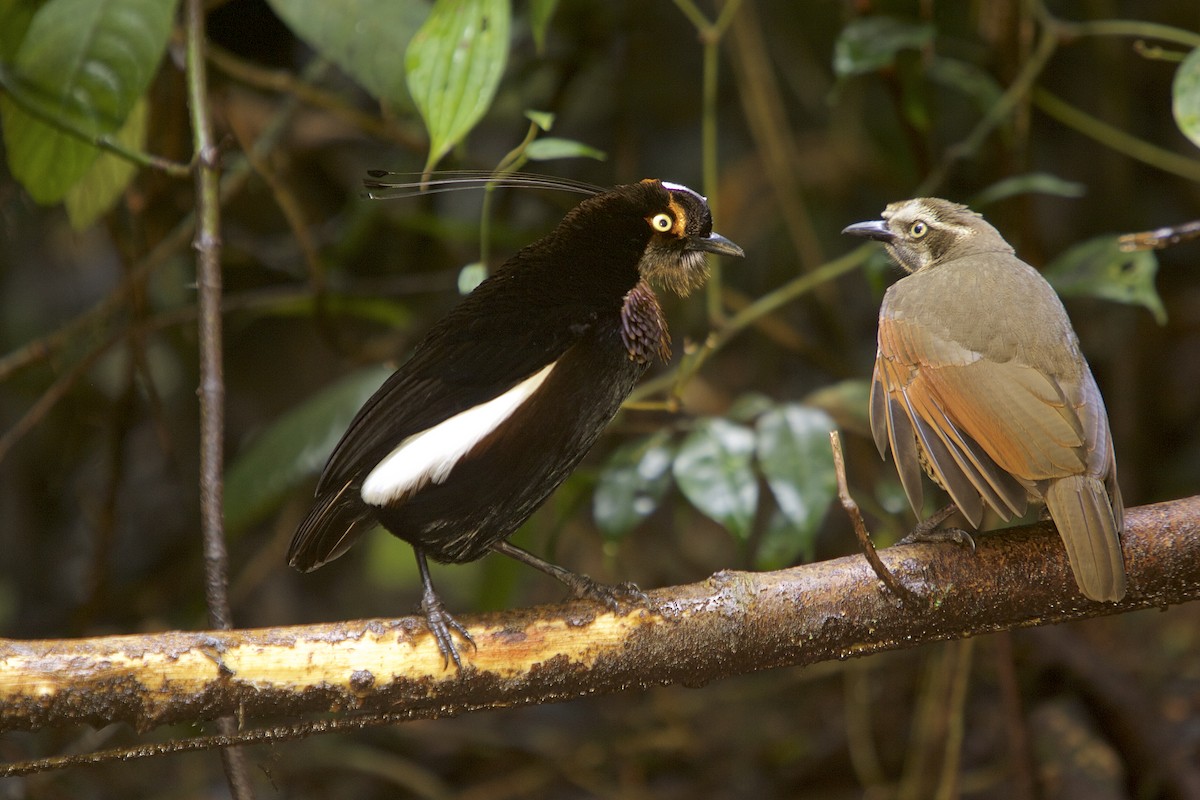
(431, 454)
(679, 187)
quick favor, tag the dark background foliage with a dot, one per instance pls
(98, 499)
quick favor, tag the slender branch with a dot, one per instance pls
(212, 381)
(860, 527)
(1018, 90)
(1115, 138)
(747, 317)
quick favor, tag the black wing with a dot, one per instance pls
(496, 337)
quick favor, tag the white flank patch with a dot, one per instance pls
(431, 454)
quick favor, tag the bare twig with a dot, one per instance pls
(212, 381)
(860, 527)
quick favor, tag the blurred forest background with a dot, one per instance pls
(796, 119)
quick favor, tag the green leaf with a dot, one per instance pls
(551, 148)
(869, 44)
(540, 12)
(1028, 183)
(293, 448)
(99, 189)
(85, 62)
(365, 38)
(967, 78)
(1185, 97)
(633, 483)
(714, 470)
(797, 462)
(543, 119)
(1099, 268)
(454, 65)
(15, 16)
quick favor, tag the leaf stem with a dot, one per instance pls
(49, 114)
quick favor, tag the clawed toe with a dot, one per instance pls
(443, 627)
(922, 535)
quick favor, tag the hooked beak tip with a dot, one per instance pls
(876, 229)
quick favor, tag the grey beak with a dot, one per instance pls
(876, 229)
(716, 243)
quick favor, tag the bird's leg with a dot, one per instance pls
(437, 618)
(928, 531)
(580, 585)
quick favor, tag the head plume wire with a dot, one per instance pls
(384, 185)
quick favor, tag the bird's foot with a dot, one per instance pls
(918, 535)
(443, 627)
(618, 598)
(928, 532)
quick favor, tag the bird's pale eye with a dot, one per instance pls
(662, 222)
(918, 229)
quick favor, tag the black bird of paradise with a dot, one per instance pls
(502, 398)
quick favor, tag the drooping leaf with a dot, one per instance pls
(108, 176)
(365, 38)
(795, 458)
(715, 471)
(454, 64)
(540, 13)
(551, 147)
(1028, 183)
(85, 62)
(871, 43)
(1099, 268)
(1185, 96)
(293, 448)
(632, 483)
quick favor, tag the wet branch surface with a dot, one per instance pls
(730, 624)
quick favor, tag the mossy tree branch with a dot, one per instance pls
(733, 623)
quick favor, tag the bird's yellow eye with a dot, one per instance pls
(662, 222)
(918, 229)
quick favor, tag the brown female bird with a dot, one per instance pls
(503, 398)
(980, 381)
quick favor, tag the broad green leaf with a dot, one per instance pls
(108, 176)
(871, 43)
(454, 65)
(1185, 97)
(795, 458)
(1099, 268)
(85, 62)
(15, 16)
(540, 13)
(365, 38)
(632, 483)
(714, 470)
(1028, 183)
(293, 448)
(551, 148)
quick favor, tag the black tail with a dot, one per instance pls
(335, 521)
